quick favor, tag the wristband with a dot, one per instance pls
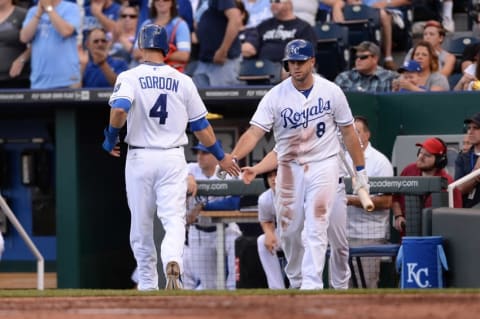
(111, 136)
(398, 216)
(216, 151)
(113, 130)
(359, 168)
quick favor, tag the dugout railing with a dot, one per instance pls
(415, 189)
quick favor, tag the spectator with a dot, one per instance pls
(184, 8)
(268, 244)
(200, 254)
(15, 65)
(431, 161)
(100, 14)
(369, 228)
(470, 78)
(387, 13)
(258, 11)
(367, 75)
(51, 28)
(270, 37)
(434, 33)
(219, 51)
(469, 55)
(430, 78)
(125, 33)
(98, 68)
(165, 13)
(469, 161)
(409, 78)
(245, 18)
(466, 144)
(307, 10)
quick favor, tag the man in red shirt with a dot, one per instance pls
(431, 161)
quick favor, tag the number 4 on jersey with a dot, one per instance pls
(159, 109)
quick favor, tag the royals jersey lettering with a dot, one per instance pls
(302, 131)
(161, 98)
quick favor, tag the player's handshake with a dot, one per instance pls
(228, 165)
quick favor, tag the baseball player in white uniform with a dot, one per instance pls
(304, 111)
(369, 228)
(157, 102)
(201, 253)
(268, 244)
(336, 233)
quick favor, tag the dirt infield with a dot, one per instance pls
(338, 306)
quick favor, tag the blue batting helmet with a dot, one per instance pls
(298, 50)
(153, 36)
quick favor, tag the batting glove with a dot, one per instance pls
(111, 138)
(361, 181)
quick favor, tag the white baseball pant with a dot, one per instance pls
(271, 265)
(305, 197)
(156, 186)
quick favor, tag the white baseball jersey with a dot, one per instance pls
(163, 102)
(266, 209)
(374, 224)
(305, 131)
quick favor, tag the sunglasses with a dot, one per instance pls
(131, 16)
(278, 1)
(96, 41)
(363, 57)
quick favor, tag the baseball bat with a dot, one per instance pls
(365, 199)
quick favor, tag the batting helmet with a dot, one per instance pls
(298, 50)
(153, 36)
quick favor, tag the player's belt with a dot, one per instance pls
(207, 229)
(133, 147)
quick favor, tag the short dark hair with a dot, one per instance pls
(364, 121)
(173, 10)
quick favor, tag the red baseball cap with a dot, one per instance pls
(433, 146)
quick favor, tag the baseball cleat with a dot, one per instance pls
(173, 276)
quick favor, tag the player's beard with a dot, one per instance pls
(300, 77)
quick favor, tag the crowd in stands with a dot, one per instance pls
(49, 44)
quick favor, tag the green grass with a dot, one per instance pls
(239, 292)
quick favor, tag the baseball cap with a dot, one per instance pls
(203, 148)
(410, 66)
(475, 118)
(368, 46)
(433, 146)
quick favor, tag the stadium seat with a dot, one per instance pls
(260, 72)
(456, 45)
(363, 23)
(453, 79)
(332, 51)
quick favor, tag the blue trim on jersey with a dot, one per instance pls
(306, 92)
(121, 104)
(199, 124)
